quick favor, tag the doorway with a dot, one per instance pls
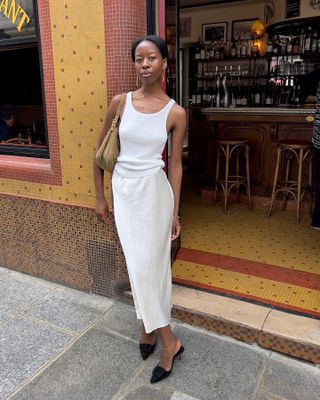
(240, 254)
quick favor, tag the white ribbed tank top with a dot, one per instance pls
(142, 140)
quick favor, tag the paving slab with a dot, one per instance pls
(290, 379)
(70, 309)
(147, 393)
(182, 396)
(122, 319)
(17, 292)
(26, 345)
(93, 368)
(3, 271)
(214, 368)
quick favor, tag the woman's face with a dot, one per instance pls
(149, 63)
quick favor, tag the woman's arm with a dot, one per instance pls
(102, 209)
(175, 163)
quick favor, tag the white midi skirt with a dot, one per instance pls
(143, 209)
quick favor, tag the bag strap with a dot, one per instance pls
(120, 107)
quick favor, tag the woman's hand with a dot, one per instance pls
(102, 210)
(176, 228)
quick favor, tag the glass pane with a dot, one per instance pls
(17, 20)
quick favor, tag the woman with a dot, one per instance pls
(146, 205)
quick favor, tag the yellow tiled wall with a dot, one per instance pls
(79, 54)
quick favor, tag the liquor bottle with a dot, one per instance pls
(238, 47)
(199, 97)
(227, 49)
(283, 48)
(307, 42)
(244, 98)
(269, 49)
(233, 51)
(297, 95)
(302, 39)
(249, 48)
(290, 45)
(202, 53)
(217, 51)
(276, 45)
(296, 47)
(314, 43)
(197, 52)
(194, 96)
(218, 97)
(243, 48)
(221, 50)
(211, 53)
(257, 96)
(238, 94)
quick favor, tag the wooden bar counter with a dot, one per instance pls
(263, 127)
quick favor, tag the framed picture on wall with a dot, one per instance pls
(185, 27)
(242, 28)
(214, 32)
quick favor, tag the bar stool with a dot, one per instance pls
(229, 148)
(288, 151)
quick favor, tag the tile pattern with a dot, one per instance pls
(272, 261)
(124, 21)
(305, 351)
(54, 241)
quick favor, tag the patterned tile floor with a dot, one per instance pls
(243, 254)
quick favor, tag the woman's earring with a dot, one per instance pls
(163, 77)
(137, 81)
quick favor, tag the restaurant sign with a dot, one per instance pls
(15, 13)
(16, 19)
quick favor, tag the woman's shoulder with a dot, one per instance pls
(178, 110)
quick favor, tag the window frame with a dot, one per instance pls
(11, 44)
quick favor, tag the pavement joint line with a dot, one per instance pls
(127, 385)
(104, 328)
(259, 385)
(265, 320)
(49, 324)
(53, 359)
(38, 300)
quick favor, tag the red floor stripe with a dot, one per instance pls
(213, 289)
(279, 274)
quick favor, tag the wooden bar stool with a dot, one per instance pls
(236, 149)
(289, 151)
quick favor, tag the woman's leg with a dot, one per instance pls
(170, 346)
(147, 338)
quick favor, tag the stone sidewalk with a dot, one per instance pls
(57, 343)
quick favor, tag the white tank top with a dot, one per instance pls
(142, 140)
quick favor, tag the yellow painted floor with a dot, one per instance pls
(273, 261)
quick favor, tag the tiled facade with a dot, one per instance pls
(47, 215)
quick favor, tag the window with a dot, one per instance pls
(22, 113)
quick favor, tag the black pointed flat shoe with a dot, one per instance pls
(146, 349)
(159, 373)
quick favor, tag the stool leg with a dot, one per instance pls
(310, 185)
(247, 149)
(226, 181)
(299, 184)
(237, 175)
(285, 194)
(217, 176)
(275, 179)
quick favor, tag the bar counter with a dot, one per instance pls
(262, 126)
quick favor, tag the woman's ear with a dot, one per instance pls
(165, 63)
